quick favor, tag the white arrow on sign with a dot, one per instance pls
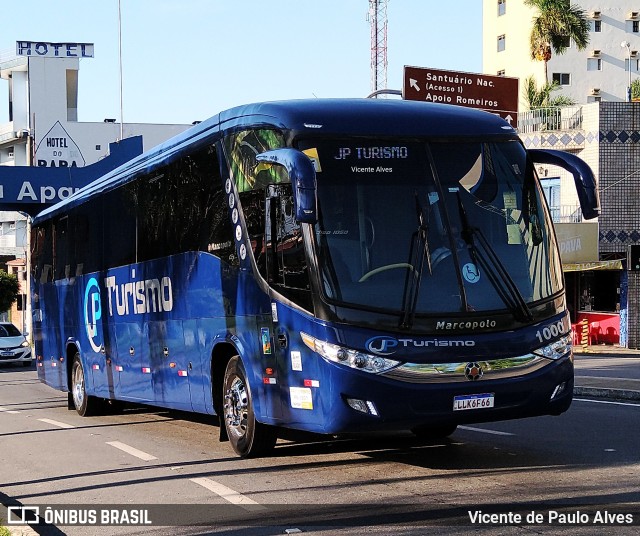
(414, 84)
(508, 119)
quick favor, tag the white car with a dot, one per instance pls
(14, 347)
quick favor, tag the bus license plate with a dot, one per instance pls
(481, 401)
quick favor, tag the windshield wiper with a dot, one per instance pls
(492, 265)
(419, 254)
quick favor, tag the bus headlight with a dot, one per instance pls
(351, 358)
(556, 349)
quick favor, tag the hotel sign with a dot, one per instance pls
(41, 49)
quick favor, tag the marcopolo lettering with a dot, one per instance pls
(469, 324)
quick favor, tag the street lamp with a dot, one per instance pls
(627, 45)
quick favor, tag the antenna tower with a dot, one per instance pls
(378, 22)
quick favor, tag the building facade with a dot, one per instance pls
(43, 130)
(603, 128)
(599, 72)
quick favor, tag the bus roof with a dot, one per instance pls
(315, 117)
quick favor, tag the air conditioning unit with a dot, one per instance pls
(10, 154)
(595, 91)
(595, 14)
(632, 15)
(634, 53)
(595, 53)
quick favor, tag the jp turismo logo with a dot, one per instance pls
(92, 313)
(382, 345)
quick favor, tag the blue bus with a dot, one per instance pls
(334, 266)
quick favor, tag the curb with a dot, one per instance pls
(607, 392)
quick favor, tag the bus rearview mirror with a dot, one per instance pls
(585, 181)
(303, 180)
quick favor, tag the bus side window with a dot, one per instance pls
(38, 237)
(253, 208)
(286, 262)
(181, 207)
(62, 254)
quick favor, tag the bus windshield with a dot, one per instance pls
(432, 227)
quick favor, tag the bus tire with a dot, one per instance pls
(248, 437)
(85, 405)
(434, 432)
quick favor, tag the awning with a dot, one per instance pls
(595, 265)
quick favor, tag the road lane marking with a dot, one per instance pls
(131, 450)
(57, 423)
(606, 378)
(483, 431)
(229, 494)
(6, 410)
(607, 402)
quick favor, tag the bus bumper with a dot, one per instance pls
(362, 402)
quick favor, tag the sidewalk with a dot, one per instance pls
(606, 371)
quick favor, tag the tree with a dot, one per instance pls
(9, 289)
(556, 23)
(541, 97)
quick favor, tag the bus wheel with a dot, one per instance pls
(434, 432)
(248, 437)
(85, 405)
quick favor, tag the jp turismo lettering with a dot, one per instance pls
(388, 345)
(368, 153)
(139, 297)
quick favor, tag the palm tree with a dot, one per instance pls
(557, 22)
(548, 115)
(541, 97)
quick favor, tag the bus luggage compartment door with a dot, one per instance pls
(132, 362)
(170, 364)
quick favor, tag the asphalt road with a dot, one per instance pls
(572, 471)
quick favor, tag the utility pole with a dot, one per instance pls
(378, 22)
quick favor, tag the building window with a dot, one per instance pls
(502, 7)
(501, 44)
(635, 65)
(597, 25)
(564, 79)
(501, 72)
(565, 41)
(551, 189)
(594, 64)
(636, 26)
